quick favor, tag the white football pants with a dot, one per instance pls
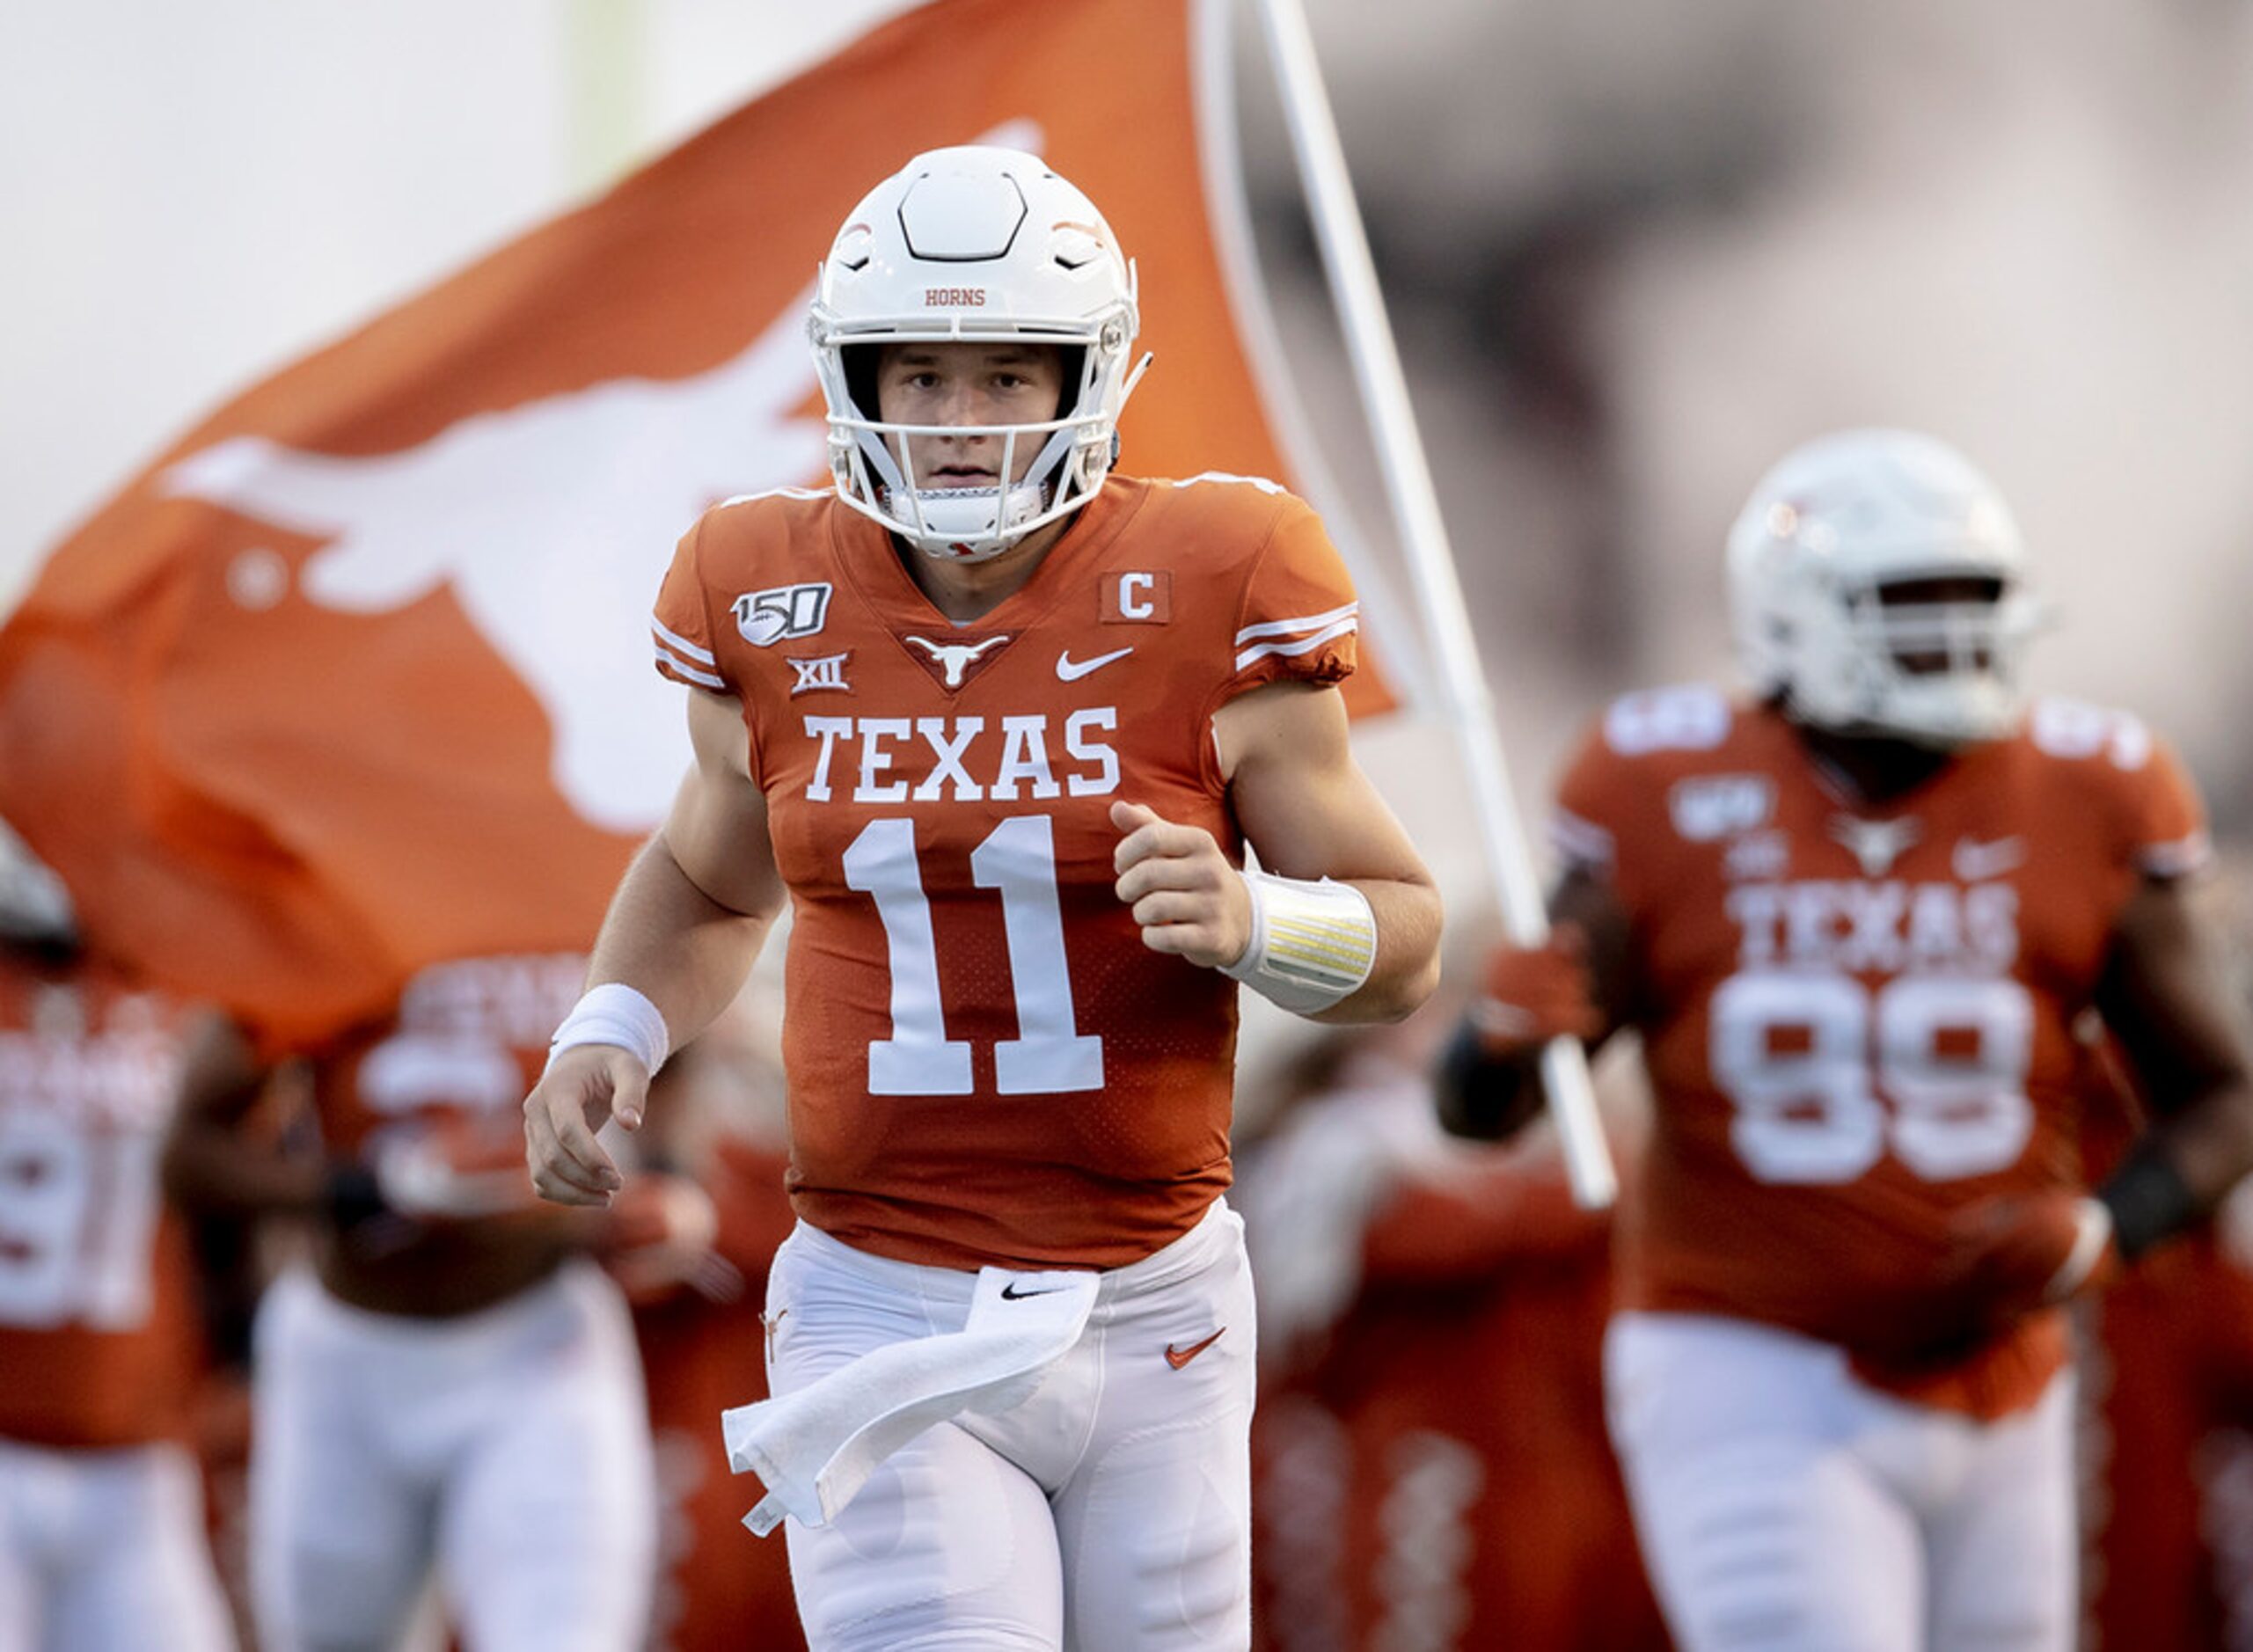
(104, 1550)
(510, 1447)
(1109, 1512)
(1783, 1506)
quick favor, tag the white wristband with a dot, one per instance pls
(615, 1013)
(1313, 944)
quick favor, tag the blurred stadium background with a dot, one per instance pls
(1633, 251)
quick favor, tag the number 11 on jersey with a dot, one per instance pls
(1017, 860)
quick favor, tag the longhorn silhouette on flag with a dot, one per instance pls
(353, 678)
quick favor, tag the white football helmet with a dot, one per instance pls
(35, 908)
(975, 244)
(1831, 529)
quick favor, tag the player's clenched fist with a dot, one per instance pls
(1530, 995)
(582, 1089)
(1188, 899)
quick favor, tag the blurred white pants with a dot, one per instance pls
(1782, 1505)
(104, 1550)
(510, 1447)
(1110, 1510)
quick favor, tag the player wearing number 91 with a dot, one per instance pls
(102, 1545)
(999, 725)
(1857, 922)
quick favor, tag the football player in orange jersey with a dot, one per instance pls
(451, 1386)
(999, 724)
(1400, 1272)
(102, 1546)
(1855, 921)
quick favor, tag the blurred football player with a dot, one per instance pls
(102, 1546)
(2166, 1426)
(1855, 921)
(1403, 1278)
(703, 1347)
(451, 1386)
(999, 725)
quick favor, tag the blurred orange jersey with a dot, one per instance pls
(987, 1065)
(2166, 1395)
(1439, 1476)
(715, 1586)
(1859, 1019)
(99, 1340)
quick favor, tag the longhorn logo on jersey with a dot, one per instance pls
(953, 663)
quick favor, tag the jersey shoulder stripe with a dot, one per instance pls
(679, 644)
(1296, 646)
(1305, 622)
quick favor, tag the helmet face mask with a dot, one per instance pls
(970, 246)
(1876, 583)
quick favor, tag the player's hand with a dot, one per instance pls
(2009, 1256)
(583, 1088)
(2016, 1252)
(1189, 901)
(1530, 995)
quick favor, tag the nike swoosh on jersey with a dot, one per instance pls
(1010, 1293)
(1072, 671)
(1974, 861)
(1178, 1357)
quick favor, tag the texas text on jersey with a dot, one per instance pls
(986, 1064)
(1860, 1019)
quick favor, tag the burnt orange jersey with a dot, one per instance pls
(2167, 1429)
(99, 1343)
(1439, 1475)
(1859, 1019)
(985, 1064)
(715, 1588)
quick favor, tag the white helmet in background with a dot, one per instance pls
(1826, 563)
(35, 908)
(975, 244)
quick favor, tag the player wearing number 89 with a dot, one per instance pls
(999, 724)
(1857, 921)
(102, 1544)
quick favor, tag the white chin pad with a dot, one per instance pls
(982, 519)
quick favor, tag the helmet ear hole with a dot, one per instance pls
(1071, 365)
(859, 361)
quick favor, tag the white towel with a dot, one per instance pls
(815, 1449)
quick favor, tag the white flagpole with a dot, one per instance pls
(1464, 698)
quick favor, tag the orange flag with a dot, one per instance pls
(354, 677)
